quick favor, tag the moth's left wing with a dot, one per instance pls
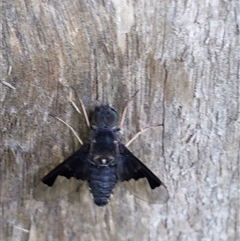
(65, 177)
(141, 181)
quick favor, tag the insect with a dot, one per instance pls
(103, 161)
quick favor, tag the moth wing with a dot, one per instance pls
(141, 181)
(143, 191)
(61, 187)
(64, 178)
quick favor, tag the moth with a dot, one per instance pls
(102, 162)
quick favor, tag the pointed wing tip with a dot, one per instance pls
(163, 194)
(40, 191)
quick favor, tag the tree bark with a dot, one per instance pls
(182, 56)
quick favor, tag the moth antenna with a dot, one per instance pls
(73, 131)
(125, 109)
(139, 133)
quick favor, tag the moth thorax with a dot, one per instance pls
(103, 160)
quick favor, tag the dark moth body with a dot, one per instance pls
(104, 160)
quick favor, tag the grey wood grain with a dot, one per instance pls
(182, 56)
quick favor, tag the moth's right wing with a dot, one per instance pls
(140, 180)
(64, 178)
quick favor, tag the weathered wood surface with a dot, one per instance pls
(183, 57)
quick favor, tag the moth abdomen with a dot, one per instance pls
(102, 180)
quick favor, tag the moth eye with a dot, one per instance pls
(98, 118)
(112, 116)
(104, 116)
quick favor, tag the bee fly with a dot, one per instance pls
(103, 161)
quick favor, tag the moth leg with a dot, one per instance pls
(73, 131)
(73, 104)
(139, 133)
(83, 108)
(85, 113)
(125, 110)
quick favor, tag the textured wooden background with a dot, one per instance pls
(182, 56)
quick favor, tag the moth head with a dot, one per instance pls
(104, 117)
